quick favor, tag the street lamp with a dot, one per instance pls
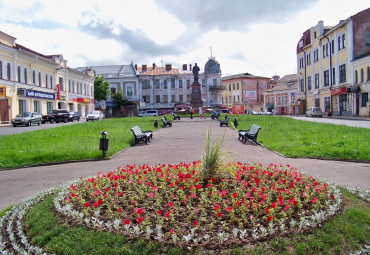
(104, 142)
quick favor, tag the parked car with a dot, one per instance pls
(265, 113)
(95, 115)
(55, 116)
(314, 112)
(148, 113)
(27, 118)
(72, 116)
(254, 113)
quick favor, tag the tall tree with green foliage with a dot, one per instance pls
(101, 88)
(119, 99)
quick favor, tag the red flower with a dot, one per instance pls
(159, 212)
(140, 219)
(286, 208)
(219, 214)
(95, 205)
(237, 203)
(87, 205)
(235, 195)
(217, 207)
(269, 218)
(314, 200)
(229, 208)
(332, 196)
(273, 205)
(172, 232)
(213, 179)
(170, 204)
(267, 210)
(100, 202)
(119, 210)
(195, 223)
(139, 211)
(127, 222)
(168, 214)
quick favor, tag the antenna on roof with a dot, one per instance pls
(211, 51)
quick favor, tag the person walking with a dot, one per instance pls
(191, 112)
(200, 111)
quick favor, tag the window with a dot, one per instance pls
(25, 76)
(225, 100)
(156, 84)
(39, 79)
(49, 106)
(326, 78)
(146, 99)
(69, 86)
(188, 86)
(61, 84)
(317, 81)
(325, 50)
(173, 98)
(314, 34)
(180, 84)
(326, 104)
(146, 84)
(230, 102)
(237, 86)
(343, 102)
(309, 83)
(278, 100)
(229, 86)
(214, 81)
(19, 73)
(367, 36)
(1, 69)
(341, 42)
(356, 77)
(364, 99)
(188, 98)
(342, 73)
(316, 55)
(8, 71)
(308, 59)
(173, 84)
(301, 85)
(46, 81)
(204, 83)
(301, 63)
(181, 98)
(261, 85)
(362, 75)
(113, 90)
(165, 85)
(51, 81)
(368, 74)
(233, 86)
(33, 77)
(158, 99)
(237, 98)
(36, 106)
(129, 91)
(333, 76)
(332, 47)
(22, 106)
(165, 99)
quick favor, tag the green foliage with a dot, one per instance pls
(119, 99)
(101, 88)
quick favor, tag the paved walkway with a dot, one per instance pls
(183, 142)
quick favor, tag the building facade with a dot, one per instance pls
(30, 81)
(244, 92)
(282, 97)
(326, 61)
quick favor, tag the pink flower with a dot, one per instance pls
(151, 194)
(314, 200)
(229, 208)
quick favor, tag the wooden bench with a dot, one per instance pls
(175, 116)
(251, 133)
(225, 122)
(141, 135)
(166, 123)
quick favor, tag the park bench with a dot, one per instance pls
(213, 116)
(175, 116)
(166, 123)
(141, 135)
(251, 133)
(224, 122)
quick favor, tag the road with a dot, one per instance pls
(345, 122)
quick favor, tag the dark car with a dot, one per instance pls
(55, 116)
(27, 118)
(72, 116)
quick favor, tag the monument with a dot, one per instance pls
(196, 95)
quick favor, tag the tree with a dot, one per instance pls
(119, 99)
(101, 88)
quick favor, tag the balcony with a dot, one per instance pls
(216, 87)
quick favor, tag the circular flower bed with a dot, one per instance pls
(172, 204)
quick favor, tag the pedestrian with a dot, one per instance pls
(200, 111)
(204, 112)
(191, 112)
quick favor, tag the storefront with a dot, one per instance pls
(341, 101)
(30, 100)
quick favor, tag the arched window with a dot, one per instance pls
(46, 81)
(8, 71)
(19, 73)
(33, 77)
(1, 69)
(25, 76)
(40, 79)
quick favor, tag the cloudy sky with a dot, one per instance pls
(254, 36)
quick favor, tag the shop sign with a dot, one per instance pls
(2, 91)
(58, 92)
(35, 94)
(250, 94)
(341, 90)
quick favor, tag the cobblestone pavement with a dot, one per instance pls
(183, 142)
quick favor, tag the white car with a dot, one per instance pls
(265, 113)
(95, 115)
(148, 113)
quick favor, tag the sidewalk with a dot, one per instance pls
(183, 142)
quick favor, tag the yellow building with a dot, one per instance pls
(326, 57)
(30, 81)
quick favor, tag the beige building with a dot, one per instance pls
(33, 82)
(326, 61)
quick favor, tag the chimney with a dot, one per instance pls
(276, 77)
(143, 68)
(136, 67)
(168, 67)
(154, 66)
(184, 67)
(190, 67)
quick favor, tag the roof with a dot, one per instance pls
(243, 75)
(112, 70)
(160, 71)
(287, 82)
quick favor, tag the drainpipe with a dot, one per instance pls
(331, 75)
(305, 82)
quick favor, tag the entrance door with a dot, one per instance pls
(4, 110)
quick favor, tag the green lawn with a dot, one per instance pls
(292, 138)
(64, 143)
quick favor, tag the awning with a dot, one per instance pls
(337, 91)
